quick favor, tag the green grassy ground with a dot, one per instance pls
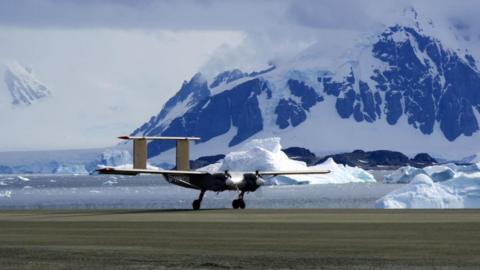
(248, 239)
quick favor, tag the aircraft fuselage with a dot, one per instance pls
(217, 182)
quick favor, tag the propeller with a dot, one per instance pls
(228, 179)
(259, 180)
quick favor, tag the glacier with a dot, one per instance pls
(63, 162)
(267, 155)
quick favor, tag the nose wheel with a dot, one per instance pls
(239, 203)
(197, 203)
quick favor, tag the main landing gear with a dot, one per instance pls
(239, 203)
(236, 204)
(196, 203)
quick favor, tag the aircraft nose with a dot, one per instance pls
(229, 182)
(234, 181)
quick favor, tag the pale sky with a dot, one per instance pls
(111, 64)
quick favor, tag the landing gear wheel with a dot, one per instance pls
(196, 205)
(236, 204)
(241, 204)
(197, 202)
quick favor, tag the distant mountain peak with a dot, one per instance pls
(25, 89)
(411, 18)
(410, 13)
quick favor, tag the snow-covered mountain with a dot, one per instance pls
(402, 88)
(23, 85)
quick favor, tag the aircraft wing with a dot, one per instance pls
(111, 170)
(276, 173)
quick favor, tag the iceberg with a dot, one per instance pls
(462, 191)
(438, 173)
(267, 155)
(403, 175)
(6, 194)
(119, 159)
(75, 169)
(113, 157)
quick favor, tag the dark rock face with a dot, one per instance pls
(437, 87)
(214, 116)
(382, 158)
(301, 154)
(363, 159)
(385, 157)
(426, 98)
(293, 112)
(422, 160)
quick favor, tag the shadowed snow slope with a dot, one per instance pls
(462, 191)
(266, 155)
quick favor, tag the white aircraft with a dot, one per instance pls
(203, 181)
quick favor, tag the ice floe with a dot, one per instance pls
(437, 173)
(23, 178)
(461, 191)
(6, 194)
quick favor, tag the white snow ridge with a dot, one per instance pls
(267, 155)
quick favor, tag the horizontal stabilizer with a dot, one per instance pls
(158, 138)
